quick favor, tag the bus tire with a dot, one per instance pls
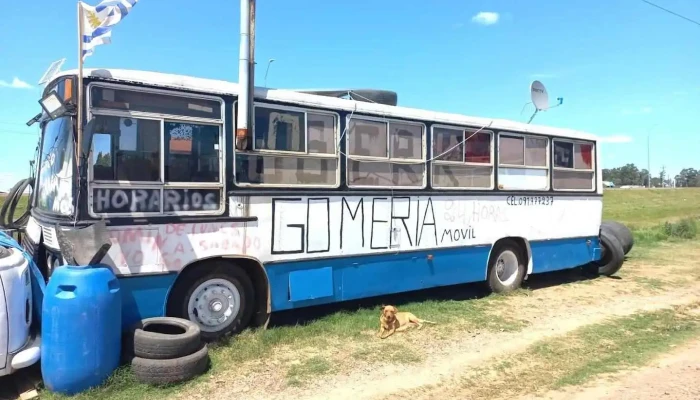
(622, 232)
(613, 253)
(506, 268)
(220, 299)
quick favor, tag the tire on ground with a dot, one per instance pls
(507, 249)
(162, 338)
(623, 233)
(176, 370)
(613, 254)
(216, 271)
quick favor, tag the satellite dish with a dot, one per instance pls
(51, 71)
(539, 95)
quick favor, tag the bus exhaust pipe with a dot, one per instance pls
(245, 66)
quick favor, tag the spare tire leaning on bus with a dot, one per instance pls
(623, 234)
(612, 253)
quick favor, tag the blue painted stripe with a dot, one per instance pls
(554, 255)
(374, 275)
(144, 296)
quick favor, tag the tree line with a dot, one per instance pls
(631, 175)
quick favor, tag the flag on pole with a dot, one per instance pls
(98, 22)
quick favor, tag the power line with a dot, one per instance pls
(671, 12)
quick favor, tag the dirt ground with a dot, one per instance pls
(673, 377)
(661, 278)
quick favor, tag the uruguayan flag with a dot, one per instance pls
(99, 20)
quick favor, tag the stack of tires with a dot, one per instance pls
(616, 241)
(166, 350)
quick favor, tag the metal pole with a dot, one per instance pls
(79, 100)
(251, 62)
(244, 77)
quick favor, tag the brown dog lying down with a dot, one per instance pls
(391, 321)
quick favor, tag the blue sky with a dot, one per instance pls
(624, 68)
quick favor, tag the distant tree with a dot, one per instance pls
(688, 177)
(662, 175)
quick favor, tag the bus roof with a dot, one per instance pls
(183, 82)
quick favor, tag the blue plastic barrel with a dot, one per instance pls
(81, 328)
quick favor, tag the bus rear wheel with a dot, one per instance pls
(219, 299)
(506, 269)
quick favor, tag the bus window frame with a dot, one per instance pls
(593, 169)
(92, 112)
(464, 129)
(289, 154)
(546, 167)
(388, 160)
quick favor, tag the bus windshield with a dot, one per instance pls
(55, 185)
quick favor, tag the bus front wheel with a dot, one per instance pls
(506, 268)
(219, 298)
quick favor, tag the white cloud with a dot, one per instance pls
(486, 18)
(615, 139)
(15, 84)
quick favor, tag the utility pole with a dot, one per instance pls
(648, 162)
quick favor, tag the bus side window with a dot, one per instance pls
(573, 165)
(462, 158)
(291, 147)
(523, 163)
(385, 154)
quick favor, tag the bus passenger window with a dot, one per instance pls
(389, 154)
(291, 147)
(573, 166)
(522, 162)
(462, 158)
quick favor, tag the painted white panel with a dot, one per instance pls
(136, 250)
(311, 227)
(523, 178)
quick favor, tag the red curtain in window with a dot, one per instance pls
(477, 148)
(586, 152)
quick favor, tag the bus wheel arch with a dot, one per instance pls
(509, 258)
(241, 279)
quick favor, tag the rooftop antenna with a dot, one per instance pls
(53, 69)
(540, 98)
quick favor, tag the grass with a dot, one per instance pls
(682, 229)
(312, 367)
(584, 354)
(643, 208)
(21, 205)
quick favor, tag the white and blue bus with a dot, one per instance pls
(328, 199)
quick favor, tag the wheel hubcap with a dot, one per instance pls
(214, 304)
(507, 268)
